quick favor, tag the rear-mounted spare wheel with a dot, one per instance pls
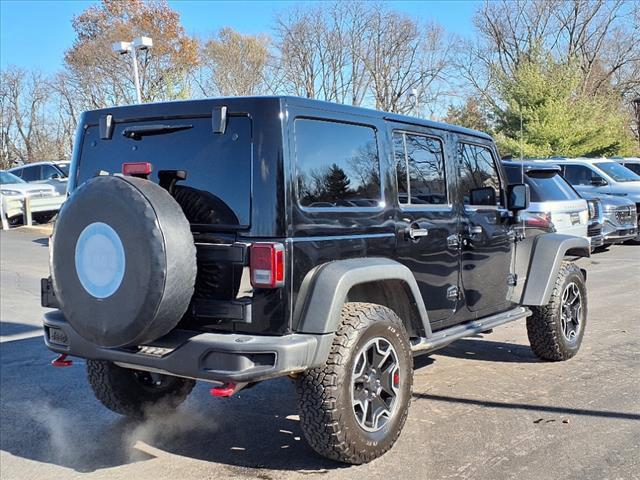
(123, 261)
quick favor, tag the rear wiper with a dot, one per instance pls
(136, 133)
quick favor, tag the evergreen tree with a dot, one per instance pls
(337, 183)
(558, 119)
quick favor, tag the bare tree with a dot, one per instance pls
(601, 36)
(360, 53)
(235, 64)
(402, 56)
(27, 133)
(101, 78)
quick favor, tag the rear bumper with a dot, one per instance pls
(218, 357)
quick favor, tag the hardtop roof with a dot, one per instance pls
(203, 106)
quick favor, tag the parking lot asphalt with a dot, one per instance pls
(483, 408)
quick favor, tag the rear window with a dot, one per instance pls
(337, 165)
(634, 167)
(545, 186)
(218, 185)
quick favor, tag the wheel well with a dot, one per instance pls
(395, 295)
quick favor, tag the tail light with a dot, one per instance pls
(136, 169)
(537, 220)
(267, 265)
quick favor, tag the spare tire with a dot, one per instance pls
(123, 261)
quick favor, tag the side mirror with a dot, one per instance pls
(518, 197)
(483, 196)
(55, 176)
(598, 181)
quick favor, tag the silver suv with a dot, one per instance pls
(555, 206)
(54, 173)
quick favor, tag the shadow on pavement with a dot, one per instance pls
(526, 406)
(490, 351)
(44, 241)
(50, 415)
(14, 328)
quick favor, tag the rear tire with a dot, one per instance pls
(354, 407)
(136, 393)
(555, 331)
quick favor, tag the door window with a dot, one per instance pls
(579, 174)
(419, 169)
(31, 174)
(477, 170)
(48, 172)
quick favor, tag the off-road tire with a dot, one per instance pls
(544, 327)
(327, 418)
(120, 390)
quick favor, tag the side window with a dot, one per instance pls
(419, 169)
(18, 172)
(477, 170)
(48, 172)
(30, 174)
(337, 165)
(579, 174)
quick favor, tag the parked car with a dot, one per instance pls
(632, 163)
(555, 205)
(219, 249)
(55, 174)
(602, 177)
(618, 218)
(45, 201)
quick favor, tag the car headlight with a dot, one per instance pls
(592, 209)
(10, 193)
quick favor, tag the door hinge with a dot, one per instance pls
(512, 279)
(452, 293)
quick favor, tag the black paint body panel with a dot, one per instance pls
(225, 302)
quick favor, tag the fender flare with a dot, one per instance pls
(325, 288)
(549, 252)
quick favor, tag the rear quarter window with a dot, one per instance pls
(549, 186)
(337, 165)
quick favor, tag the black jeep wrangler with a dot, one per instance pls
(241, 239)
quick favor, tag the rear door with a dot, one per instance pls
(427, 222)
(487, 261)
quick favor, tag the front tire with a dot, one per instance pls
(556, 330)
(135, 393)
(354, 407)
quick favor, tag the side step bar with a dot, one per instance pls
(442, 338)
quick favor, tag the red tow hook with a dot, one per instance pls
(61, 361)
(225, 390)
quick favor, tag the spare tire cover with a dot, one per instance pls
(123, 261)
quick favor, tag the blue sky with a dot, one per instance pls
(36, 33)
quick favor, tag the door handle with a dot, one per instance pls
(474, 229)
(415, 233)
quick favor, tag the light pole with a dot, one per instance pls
(137, 44)
(413, 101)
